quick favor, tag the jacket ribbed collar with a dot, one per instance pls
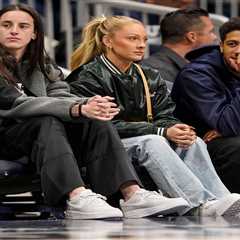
(113, 68)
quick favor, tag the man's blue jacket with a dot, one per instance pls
(207, 93)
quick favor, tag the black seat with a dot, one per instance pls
(16, 178)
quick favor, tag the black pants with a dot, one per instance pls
(225, 155)
(57, 151)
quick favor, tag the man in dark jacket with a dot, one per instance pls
(181, 31)
(207, 95)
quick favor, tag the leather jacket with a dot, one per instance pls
(95, 78)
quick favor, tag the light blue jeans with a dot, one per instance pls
(179, 173)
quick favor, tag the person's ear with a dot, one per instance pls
(34, 35)
(107, 41)
(191, 37)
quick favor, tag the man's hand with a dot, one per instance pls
(210, 135)
(235, 63)
(100, 108)
(181, 134)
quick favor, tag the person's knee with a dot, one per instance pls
(46, 122)
(103, 128)
(230, 144)
(199, 141)
(156, 139)
(232, 150)
(235, 144)
(154, 148)
(225, 151)
(155, 143)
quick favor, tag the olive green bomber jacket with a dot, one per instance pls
(128, 91)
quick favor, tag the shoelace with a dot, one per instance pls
(97, 195)
(150, 193)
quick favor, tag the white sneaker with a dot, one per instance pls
(145, 203)
(226, 206)
(89, 205)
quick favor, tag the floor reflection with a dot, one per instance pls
(172, 228)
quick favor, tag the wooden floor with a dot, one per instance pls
(172, 228)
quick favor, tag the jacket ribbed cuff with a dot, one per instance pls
(162, 132)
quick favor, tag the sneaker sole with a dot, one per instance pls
(154, 211)
(233, 210)
(71, 214)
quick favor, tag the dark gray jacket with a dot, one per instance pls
(49, 96)
(167, 62)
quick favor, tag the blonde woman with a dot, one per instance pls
(176, 159)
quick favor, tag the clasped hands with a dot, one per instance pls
(182, 135)
(100, 108)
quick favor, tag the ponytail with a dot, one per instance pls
(91, 45)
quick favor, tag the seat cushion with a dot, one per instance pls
(17, 177)
(12, 168)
